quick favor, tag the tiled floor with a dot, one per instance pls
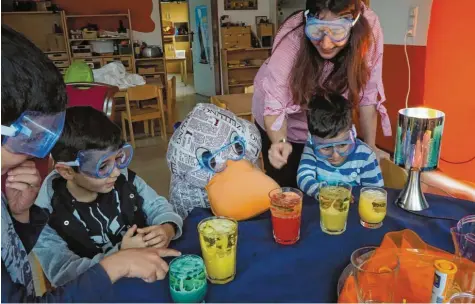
(149, 160)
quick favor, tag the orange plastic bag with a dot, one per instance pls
(416, 269)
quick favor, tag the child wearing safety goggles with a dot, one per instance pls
(332, 151)
(97, 205)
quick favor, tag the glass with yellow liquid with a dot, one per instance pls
(218, 240)
(334, 198)
(372, 207)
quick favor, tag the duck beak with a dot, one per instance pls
(241, 191)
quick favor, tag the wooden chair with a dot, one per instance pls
(434, 182)
(41, 283)
(140, 93)
(95, 94)
(171, 102)
(218, 103)
(394, 176)
(244, 115)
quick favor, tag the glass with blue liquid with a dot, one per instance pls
(187, 275)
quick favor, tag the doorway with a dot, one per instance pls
(176, 39)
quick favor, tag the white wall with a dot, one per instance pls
(155, 37)
(394, 18)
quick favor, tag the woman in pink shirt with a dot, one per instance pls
(332, 46)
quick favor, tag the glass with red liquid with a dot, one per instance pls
(286, 210)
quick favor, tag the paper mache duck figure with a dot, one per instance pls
(212, 156)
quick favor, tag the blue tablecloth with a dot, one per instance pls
(309, 270)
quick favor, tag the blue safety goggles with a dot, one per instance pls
(337, 30)
(325, 148)
(100, 163)
(33, 133)
(216, 161)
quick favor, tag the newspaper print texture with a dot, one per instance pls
(206, 127)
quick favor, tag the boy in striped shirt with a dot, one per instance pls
(332, 151)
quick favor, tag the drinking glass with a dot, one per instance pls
(464, 237)
(375, 273)
(187, 277)
(286, 211)
(462, 297)
(218, 240)
(334, 198)
(372, 207)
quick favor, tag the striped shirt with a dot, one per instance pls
(272, 95)
(361, 168)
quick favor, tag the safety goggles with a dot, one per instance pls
(33, 133)
(324, 148)
(216, 161)
(100, 163)
(337, 30)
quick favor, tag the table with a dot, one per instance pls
(307, 271)
(239, 104)
(183, 67)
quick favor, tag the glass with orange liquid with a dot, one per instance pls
(286, 210)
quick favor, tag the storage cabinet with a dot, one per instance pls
(126, 61)
(81, 44)
(39, 28)
(94, 63)
(240, 66)
(236, 37)
(152, 69)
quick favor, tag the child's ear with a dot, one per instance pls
(65, 171)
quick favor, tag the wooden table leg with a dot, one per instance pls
(185, 72)
(181, 72)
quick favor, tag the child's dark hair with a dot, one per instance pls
(86, 128)
(30, 81)
(329, 115)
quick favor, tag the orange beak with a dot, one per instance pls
(241, 191)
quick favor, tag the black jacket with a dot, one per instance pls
(73, 232)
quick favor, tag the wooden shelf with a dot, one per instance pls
(241, 84)
(154, 73)
(245, 63)
(250, 49)
(30, 13)
(101, 15)
(244, 67)
(102, 56)
(151, 58)
(99, 39)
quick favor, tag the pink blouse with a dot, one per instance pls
(272, 95)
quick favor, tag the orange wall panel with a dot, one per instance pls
(395, 80)
(450, 82)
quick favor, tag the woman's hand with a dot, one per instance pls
(279, 154)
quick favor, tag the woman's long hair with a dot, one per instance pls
(350, 70)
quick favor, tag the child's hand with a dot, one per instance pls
(158, 236)
(133, 241)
